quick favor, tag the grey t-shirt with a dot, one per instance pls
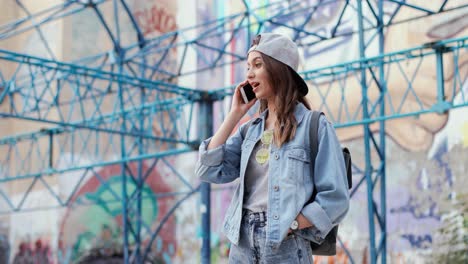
(256, 181)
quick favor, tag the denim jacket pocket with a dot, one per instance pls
(299, 165)
(292, 178)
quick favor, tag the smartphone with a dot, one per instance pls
(247, 93)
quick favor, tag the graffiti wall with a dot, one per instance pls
(426, 155)
(92, 225)
(98, 225)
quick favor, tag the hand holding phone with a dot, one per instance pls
(247, 93)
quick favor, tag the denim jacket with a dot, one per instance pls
(290, 183)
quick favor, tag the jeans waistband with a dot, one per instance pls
(259, 217)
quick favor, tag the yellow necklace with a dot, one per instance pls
(263, 154)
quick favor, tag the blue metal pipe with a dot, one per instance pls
(382, 141)
(442, 104)
(99, 164)
(37, 27)
(140, 183)
(205, 129)
(102, 202)
(91, 128)
(8, 29)
(140, 36)
(365, 115)
(125, 213)
(78, 70)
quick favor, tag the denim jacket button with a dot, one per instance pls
(276, 188)
(275, 217)
(276, 156)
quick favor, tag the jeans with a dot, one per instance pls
(251, 248)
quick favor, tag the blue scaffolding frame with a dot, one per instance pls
(67, 98)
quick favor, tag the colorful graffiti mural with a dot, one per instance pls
(91, 226)
(100, 224)
(419, 148)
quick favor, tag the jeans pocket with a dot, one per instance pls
(304, 250)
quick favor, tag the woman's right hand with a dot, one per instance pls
(238, 107)
(238, 110)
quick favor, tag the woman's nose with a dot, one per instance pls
(250, 74)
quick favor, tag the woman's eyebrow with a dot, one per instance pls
(255, 58)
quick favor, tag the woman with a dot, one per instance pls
(270, 218)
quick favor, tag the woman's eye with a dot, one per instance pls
(258, 65)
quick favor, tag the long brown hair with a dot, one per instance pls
(287, 95)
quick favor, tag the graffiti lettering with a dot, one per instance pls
(419, 241)
(419, 209)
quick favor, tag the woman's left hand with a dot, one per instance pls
(302, 221)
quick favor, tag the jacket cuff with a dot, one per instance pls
(212, 157)
(319, 218)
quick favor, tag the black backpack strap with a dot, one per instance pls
(314, 142)
(313, 134)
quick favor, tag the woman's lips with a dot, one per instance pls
(254, 86)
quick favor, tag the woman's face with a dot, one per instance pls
(257, 76)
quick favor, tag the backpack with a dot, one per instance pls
(328, 246)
